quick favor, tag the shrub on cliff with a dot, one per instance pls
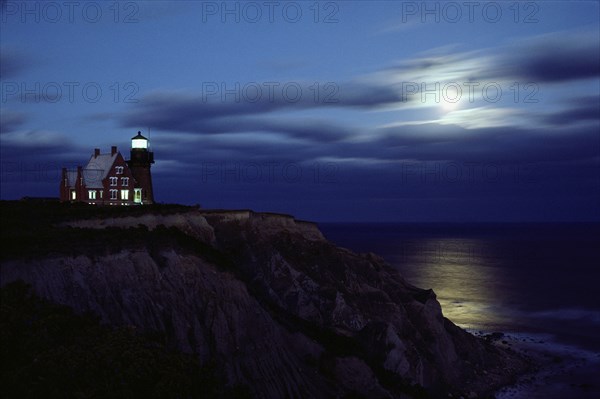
(48, 351)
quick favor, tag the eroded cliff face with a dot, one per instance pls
(276, 305)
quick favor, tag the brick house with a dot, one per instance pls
(108, 179)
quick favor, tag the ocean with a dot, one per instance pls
(536, 283)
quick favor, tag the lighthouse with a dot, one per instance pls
(139, 163)
(108, 179)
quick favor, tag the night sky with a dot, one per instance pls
(330, 111)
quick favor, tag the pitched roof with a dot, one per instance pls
(71, 177)
(139, 136)
(97, 169)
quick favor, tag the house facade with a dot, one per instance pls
(108, 179)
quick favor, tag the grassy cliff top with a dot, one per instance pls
(31, 228)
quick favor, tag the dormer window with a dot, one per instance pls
(113, 181)
(119, 170)
(125, 181)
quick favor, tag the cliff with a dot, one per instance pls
(264, 296)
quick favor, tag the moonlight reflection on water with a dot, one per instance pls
(522, 278)
(464, 276)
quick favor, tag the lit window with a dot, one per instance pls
(73, 195)
(124, 194)
(113, 181)
(113, 194)
(125, 181)
(119, 170)
(101, 193)
(137, 195)
(92, 194)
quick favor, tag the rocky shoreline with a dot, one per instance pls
(559, 371)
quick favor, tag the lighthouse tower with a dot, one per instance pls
(139, 164)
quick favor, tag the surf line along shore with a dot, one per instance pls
(561, 371)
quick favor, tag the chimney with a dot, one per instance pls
(96, 152)
(113, 150)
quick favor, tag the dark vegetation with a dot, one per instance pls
(47, 351)
(30, 229)
(54, 211)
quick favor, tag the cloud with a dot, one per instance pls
(583, 109)
(36, 139)
(12, 63)
(452, 143)
(484, 117)
(552, 58)
(205, 114)
(314, 130)
(556, 57)
(10, 120)
(259, 98)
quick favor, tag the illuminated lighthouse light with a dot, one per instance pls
(139, 141)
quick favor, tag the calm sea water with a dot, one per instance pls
(520, 278)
